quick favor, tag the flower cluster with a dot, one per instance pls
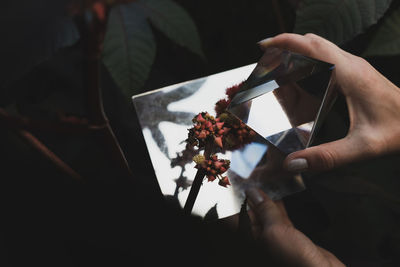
(238, 133)
(206, 128)
(226, 131)
(222, 105)
(214, 168)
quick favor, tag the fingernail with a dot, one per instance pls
(254, 195)
(296, 165)
(265, 41)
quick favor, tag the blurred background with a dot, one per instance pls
(68, 157)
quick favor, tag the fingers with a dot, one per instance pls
(309, 45)
(284, 243)
(327, 156)
(265, 210)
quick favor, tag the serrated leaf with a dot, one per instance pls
(175, 23)
(129, 47)
(338, 21)
(386, 41)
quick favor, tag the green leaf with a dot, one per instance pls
(129, 47)
(175, 23)
(339, 20)
(386, 41)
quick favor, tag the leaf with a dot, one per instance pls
(339, 20)
(129, 47)
(32, 32)
(386, 41)
(175, 23)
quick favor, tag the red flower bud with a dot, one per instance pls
(218, 141)
(200, 118)
(202, 135)
(210, 178)
(219, 125)
(226, 129)
(218, 164)
(224, 181)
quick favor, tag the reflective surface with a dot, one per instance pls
(282, 98)
(280, 101)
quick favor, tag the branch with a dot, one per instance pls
(24, 123)
(278, 14)
(93, 32)
(48, 154)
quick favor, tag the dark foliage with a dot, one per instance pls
(49, 219)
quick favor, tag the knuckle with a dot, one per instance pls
(310, 35)
(361, 65)
(362, 62)
(283, 37)
(315, 42)
(327, 159)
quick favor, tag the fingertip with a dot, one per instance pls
(296, 165)
(254, 196)
(296, 162)
(323, 157)
(265, 43)
(278, 40)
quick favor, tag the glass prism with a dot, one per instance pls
(282, 127)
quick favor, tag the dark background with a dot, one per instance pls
(47, 218)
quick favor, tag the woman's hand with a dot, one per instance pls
(287, 245)
(373, 103)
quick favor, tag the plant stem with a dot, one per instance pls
(197, 182)
(93, 38)
(48, 154)
(24, 123)
(278, 14)
(92, 34)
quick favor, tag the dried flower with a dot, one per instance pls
(222, 105)
(226, 131)
(224, 181)
(199, 159)
(233, 90)
(206, 128)
(214, 168)
(236, 133)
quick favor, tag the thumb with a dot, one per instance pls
(326, 156)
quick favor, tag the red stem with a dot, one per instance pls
(278, 14)
(24, 123)
(93, 35)
(48, 154)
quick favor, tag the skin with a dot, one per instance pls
(374, 110)
(373, 102)
(287, 245)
